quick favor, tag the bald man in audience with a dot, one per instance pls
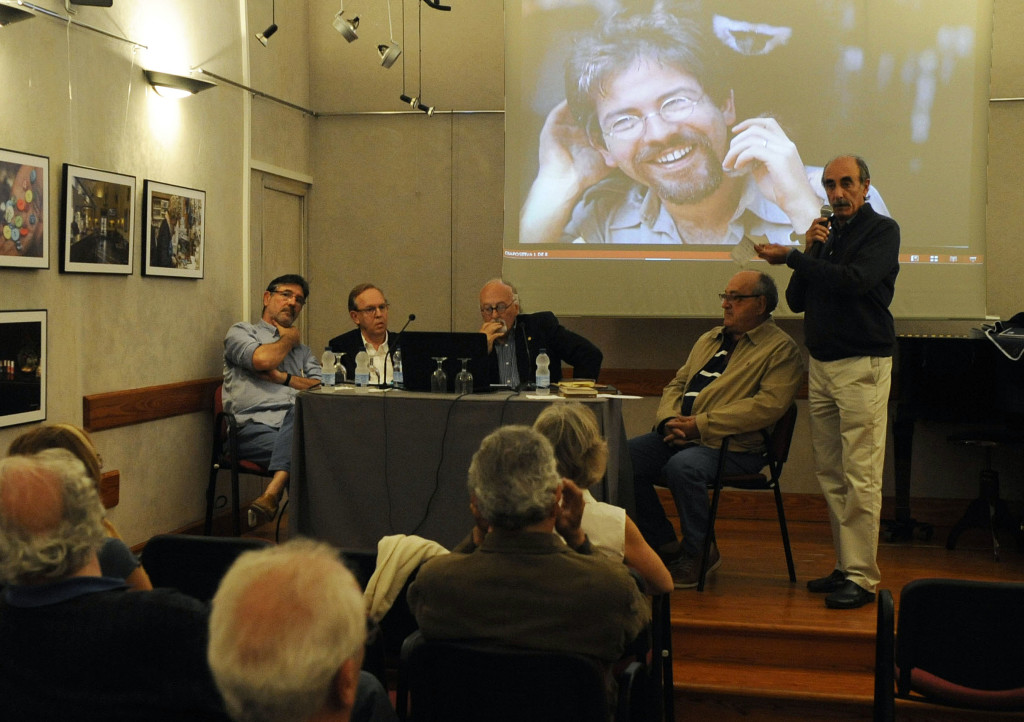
(286, 639)
(75, 645)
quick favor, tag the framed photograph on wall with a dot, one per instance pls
(22, 367)
(174, 239)
(24, 210)
(97, 221)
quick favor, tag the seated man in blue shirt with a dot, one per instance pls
(265, 366)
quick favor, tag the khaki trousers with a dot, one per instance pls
(848, 402)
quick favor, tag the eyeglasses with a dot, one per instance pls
(500, 308)
(734, 297)
(383, 308)
(289, 296)
(631, 127)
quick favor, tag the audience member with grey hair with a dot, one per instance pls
(287, 631)
(77, 645)
(581, 454)
(519, 502)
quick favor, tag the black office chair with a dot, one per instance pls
(662, 690)
(958, 643)
(224, 456)
(777, 441)
(192, 564)
(461, 682)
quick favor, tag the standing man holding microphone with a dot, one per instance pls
(844, 281)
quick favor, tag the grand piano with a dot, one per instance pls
(956, 376)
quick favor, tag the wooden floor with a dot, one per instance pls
(753, 646)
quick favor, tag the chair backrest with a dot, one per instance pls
(193, 564)
(961, 643)
(452, 682)
(781, 436)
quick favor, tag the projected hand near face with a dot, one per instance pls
(761, 147)
(566, 155)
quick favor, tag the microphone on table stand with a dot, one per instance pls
(391, 350)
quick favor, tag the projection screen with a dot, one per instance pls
(600, 222)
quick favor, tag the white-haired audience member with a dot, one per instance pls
(581, 454)
(526, 586)
(75, 645)
(287, 631)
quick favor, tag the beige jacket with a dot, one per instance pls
(758, 385)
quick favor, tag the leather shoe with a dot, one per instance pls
(263, 509)
(827, 584)
(849, 596)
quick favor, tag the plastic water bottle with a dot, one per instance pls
(362, 369)
(543, 373)
(327, 369)
(396, 369)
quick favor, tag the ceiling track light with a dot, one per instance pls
(415, 104)
(272, 28)
(390, 50)
(347, 27)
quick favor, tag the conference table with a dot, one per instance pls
(370, 463)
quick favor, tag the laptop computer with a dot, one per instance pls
(420, 347)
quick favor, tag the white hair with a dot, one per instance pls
(40, 543)
(283, 622)
(514, 478)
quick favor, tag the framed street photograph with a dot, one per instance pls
(174, 239)
(98, 221)
(22, 367)
(24, 210)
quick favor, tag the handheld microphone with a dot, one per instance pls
(826, 213)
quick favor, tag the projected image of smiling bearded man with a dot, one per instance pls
(646, 148)
(681, 160)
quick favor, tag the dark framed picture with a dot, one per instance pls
(98, 221)
(22, 367)
(174, 239)
(24, 210)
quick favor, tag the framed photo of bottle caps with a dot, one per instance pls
(97, 221)
(174, 239)
(24, 210)
(22, 367)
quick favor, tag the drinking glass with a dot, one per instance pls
(439, 379)
(464, 379)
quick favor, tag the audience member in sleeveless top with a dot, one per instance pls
(582, 457)
(116, 559)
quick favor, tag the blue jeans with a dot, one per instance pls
(266, 445)
(687, 472)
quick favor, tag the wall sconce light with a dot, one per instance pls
(272, 28)
(168, 85)
(347, 27)
(11, 13)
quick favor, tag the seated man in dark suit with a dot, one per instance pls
(368, 309)
(78, 645)
(514, 339)
(527, 586)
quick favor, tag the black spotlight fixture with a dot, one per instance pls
(272, 28)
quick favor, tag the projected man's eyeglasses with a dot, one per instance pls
(631, 127)
(734, 297)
